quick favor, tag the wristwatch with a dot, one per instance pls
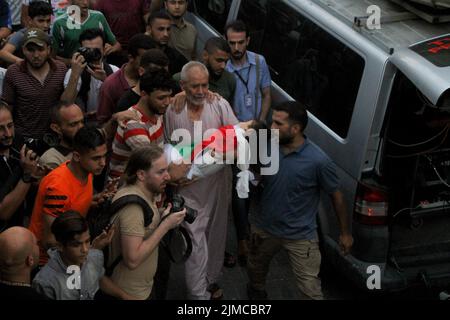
(28, 178)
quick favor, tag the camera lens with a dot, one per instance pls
(190, 216)
(91, 55)
(177, 203)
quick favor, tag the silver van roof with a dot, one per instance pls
(401, 33)
(393, 34)
(427, 65)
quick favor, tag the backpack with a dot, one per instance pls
(99, 219)
(176, 242)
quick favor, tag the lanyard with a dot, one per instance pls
(242, 79)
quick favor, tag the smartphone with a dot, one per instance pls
(108, 227)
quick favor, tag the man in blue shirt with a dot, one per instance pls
(5, 20)
(289, 206)
(251, 101)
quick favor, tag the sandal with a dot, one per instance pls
(216, 291)
(229, 260)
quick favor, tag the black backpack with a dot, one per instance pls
(100, 218)
(176, 242)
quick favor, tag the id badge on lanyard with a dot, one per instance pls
(248, 97)
(248, 100)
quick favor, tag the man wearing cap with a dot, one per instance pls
(34, 85)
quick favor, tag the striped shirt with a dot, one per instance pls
(136, 134)
(30, 99)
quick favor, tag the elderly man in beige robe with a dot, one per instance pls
(210, 196)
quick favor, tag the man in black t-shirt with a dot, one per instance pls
(18, 169)
(158, 28)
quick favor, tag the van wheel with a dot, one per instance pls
(416, 223)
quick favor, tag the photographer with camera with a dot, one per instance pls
(88, 71)
(18, 169)
(146, 176)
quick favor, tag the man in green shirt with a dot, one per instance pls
(183, 34)
(68, 27)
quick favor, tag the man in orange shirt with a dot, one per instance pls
(68, 187)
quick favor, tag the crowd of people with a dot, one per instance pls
(93, 93)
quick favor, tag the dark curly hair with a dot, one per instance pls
(156, 80)
(88, 138)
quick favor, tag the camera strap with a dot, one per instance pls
(86, 83)
(178, 244)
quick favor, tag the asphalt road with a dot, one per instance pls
(281, 283)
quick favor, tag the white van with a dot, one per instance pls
(379, 106)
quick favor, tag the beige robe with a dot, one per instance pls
(211, 197)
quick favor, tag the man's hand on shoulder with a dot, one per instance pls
(212, 97)
(178, 102)
(123, 117)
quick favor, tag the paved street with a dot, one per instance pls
(281, 283)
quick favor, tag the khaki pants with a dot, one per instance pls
(304, 256)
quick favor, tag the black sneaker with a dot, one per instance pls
(254, 294)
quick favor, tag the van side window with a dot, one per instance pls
(254, 14)
(306, 61)
(215, 12)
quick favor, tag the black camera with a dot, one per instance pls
(39, 146)
(33, 144)
(91, 55)
(178, 205)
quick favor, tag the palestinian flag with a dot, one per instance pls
(211, 154)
